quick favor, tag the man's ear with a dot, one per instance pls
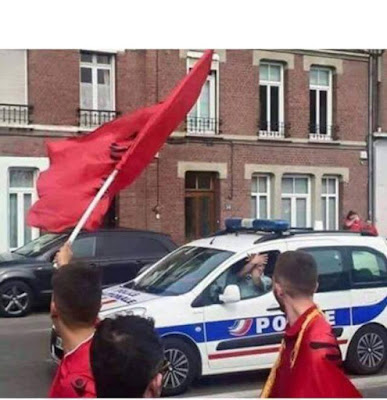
(278, 289)
(53, 309)
(317, 285)
(154, 387)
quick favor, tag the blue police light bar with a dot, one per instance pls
(264, 225)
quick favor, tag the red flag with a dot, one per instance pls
(78, 166)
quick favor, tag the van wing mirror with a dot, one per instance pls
(231, 294)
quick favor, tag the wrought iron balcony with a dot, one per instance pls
(272, 130)
(95, 118)
(15, 114)
(324, 133)
(202, 125)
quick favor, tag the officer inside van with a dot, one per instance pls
(251, 279)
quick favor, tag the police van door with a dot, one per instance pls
(333, 295)
(240, 335)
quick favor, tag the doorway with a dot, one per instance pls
(200, 204)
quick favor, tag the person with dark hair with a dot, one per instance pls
(310, 362)
(355, 224)
(352, 222)
(76, 301)
(127, 358)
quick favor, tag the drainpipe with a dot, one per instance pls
(369, 137)
(373, 119)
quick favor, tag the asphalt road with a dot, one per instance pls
(26, 369)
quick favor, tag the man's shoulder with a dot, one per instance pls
(321, 342)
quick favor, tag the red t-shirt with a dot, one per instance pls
(74, 377)
(317, 371)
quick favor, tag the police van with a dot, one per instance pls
(210, 327)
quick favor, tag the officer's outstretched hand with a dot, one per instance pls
(64, 255)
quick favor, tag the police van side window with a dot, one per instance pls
(332, 274)
(368, 266)
(245, 284)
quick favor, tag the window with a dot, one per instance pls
(231, 277)
(203, 118)
(332, 274)
(320, 93)
(330, 203)
(260, 197)
(21, 194)
(271, 99)
(13, 87)
(181, 271)
(97, 88)
(84, 247)
(295, 201)
(368, 266)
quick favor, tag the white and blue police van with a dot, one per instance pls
(209, 327)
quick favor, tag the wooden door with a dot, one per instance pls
(200, 206)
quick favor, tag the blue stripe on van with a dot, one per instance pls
(221, 330)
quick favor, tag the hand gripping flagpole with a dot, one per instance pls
(90, 209)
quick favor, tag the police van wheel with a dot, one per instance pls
(367, 352)
(184, 366)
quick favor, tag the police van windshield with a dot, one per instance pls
(181, 271)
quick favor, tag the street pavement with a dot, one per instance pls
(26, 369)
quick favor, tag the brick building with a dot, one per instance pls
(275, 134)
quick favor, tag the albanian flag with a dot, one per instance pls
(78, 166)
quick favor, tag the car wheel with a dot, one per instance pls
(184, 366)
(367, 352)
(16, 299)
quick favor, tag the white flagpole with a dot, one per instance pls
(92, 206)
(90, 209)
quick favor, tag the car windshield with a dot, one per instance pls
(37, 246)
(181, 271)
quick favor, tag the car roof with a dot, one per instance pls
(119, 229)
(239, 242)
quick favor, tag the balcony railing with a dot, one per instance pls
(202, 125)
(15, 114)
(95, 118)
(272, 130)
(323, 133)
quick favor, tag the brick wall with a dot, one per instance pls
(144, 77)
(136, 204)
(53, 86)
(352, 100)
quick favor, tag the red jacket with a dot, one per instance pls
(74, 377)
(317, 371)
(361, 226)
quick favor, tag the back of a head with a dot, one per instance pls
(296, 271)
(126, 354)
(77, 293)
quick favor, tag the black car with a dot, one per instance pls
(25, 274)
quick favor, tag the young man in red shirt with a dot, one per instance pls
(309, 363)
(75, 304)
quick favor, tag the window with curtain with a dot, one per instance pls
(21, 196)
(96, 81)
(295, 201)
(320, 101)
(260, 196)
(330, 203)
(271, 97)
